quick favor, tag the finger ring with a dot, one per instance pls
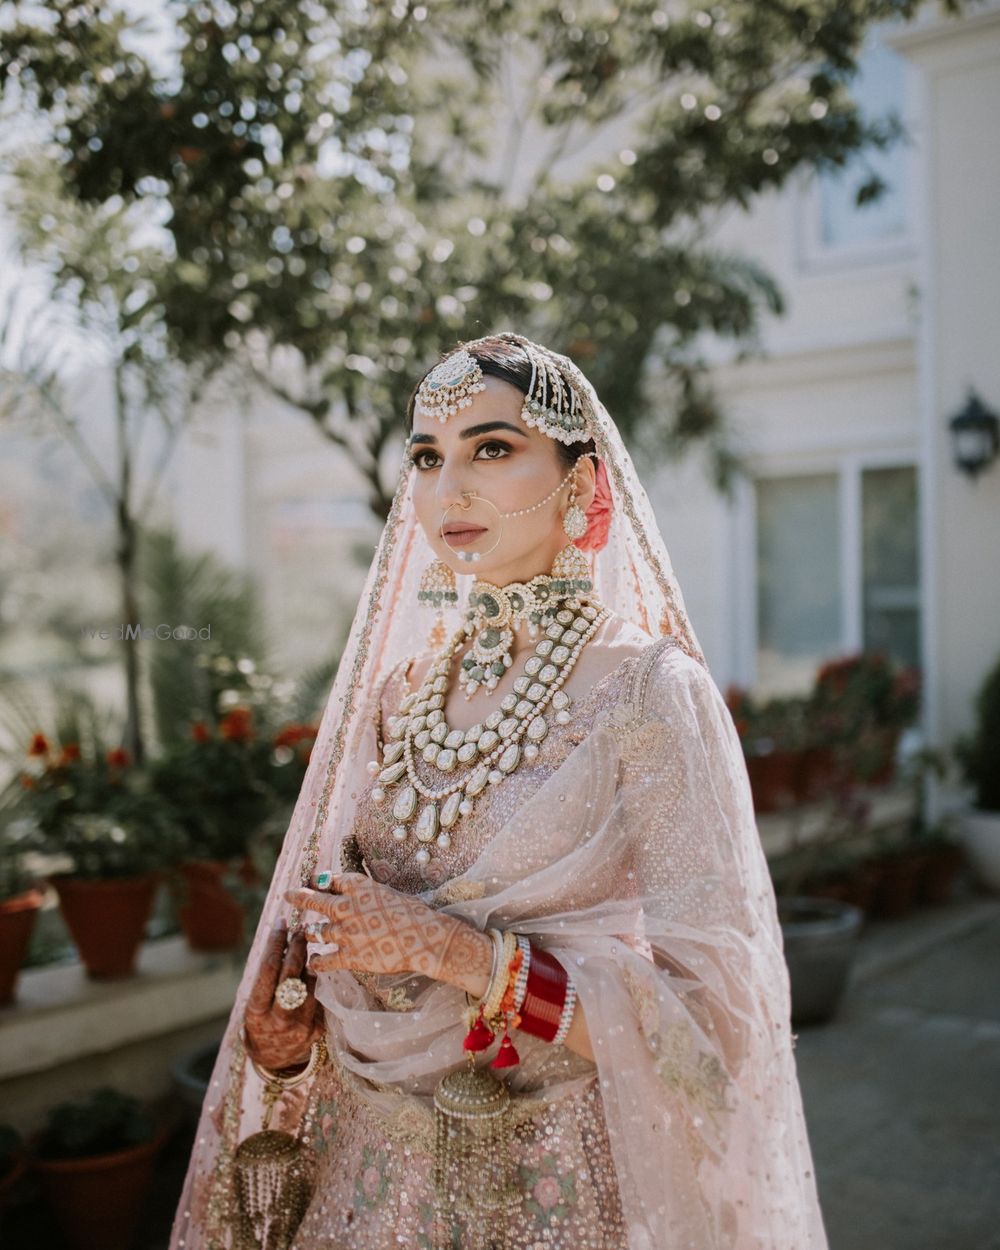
(291, 993)
(324, 879)
(314, 929)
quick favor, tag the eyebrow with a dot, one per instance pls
(471, 432)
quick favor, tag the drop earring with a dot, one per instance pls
(575, 519)
(437, 587)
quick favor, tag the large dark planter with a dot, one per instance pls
(898, 883)
(107, 920)
(97, 1202)
(17, 920)
(210, 917)
(857, 884)
(820, 937)
(191, 1074)
(938, 868)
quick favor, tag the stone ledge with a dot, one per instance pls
(782, 831)
(61, 1015)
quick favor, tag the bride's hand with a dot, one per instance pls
(379, 929)
(278, 1038)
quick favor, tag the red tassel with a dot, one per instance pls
(507, 1056)
(479, 1037)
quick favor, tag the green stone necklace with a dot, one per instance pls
(471, 759)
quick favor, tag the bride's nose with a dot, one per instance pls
(452, 491)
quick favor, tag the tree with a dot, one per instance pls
(343, 202)
(103, 276)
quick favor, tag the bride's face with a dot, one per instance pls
(487, 448)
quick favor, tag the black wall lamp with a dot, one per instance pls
(975, 436)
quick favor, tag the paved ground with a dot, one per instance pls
(901, 1090)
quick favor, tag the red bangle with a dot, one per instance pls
(545, 995)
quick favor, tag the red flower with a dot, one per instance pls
(70, 752)
(236, 725)
(289, 735)
(39, 745)
(118, 757)
(598, 514)
(200, 732)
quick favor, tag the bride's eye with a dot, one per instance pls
(492, 445)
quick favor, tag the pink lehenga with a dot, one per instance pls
(628, 849)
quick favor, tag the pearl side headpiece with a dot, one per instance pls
(552, 404)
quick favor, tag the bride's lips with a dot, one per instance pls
(467, 534)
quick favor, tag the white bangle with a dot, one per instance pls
(521, 982)
(566, 1019)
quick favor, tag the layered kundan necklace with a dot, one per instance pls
(564, 617)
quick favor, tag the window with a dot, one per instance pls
(834, 226)
(837, 570)
(798, 591)
(890, 566)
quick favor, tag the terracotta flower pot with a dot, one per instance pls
(97, 1201)
(819, 773)
(107, 919)
(773, 780)
(17, 920)
(210, 917)
(10, 1180)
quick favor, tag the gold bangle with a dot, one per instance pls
(272, 1076)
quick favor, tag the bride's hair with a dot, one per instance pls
(499, 358)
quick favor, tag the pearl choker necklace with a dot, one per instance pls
(489, 751)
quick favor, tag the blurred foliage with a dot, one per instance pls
(342, 191)
(86, 803)
(188, 676)
(853, 701)
(223, 786)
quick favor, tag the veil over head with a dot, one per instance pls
(650, 883)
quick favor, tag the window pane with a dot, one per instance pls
(891, 563)
(878, 90)
(798, 579)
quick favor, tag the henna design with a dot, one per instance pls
(379, 929)
(277, 1038)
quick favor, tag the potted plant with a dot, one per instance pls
(978, 755)
(97, 816)
(858, 707)
(95, 1159)
(773, 735)
(12, 1163)
(222, 784)
(19, 904)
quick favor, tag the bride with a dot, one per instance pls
(519, 980)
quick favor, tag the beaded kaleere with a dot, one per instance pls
(469, 760)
